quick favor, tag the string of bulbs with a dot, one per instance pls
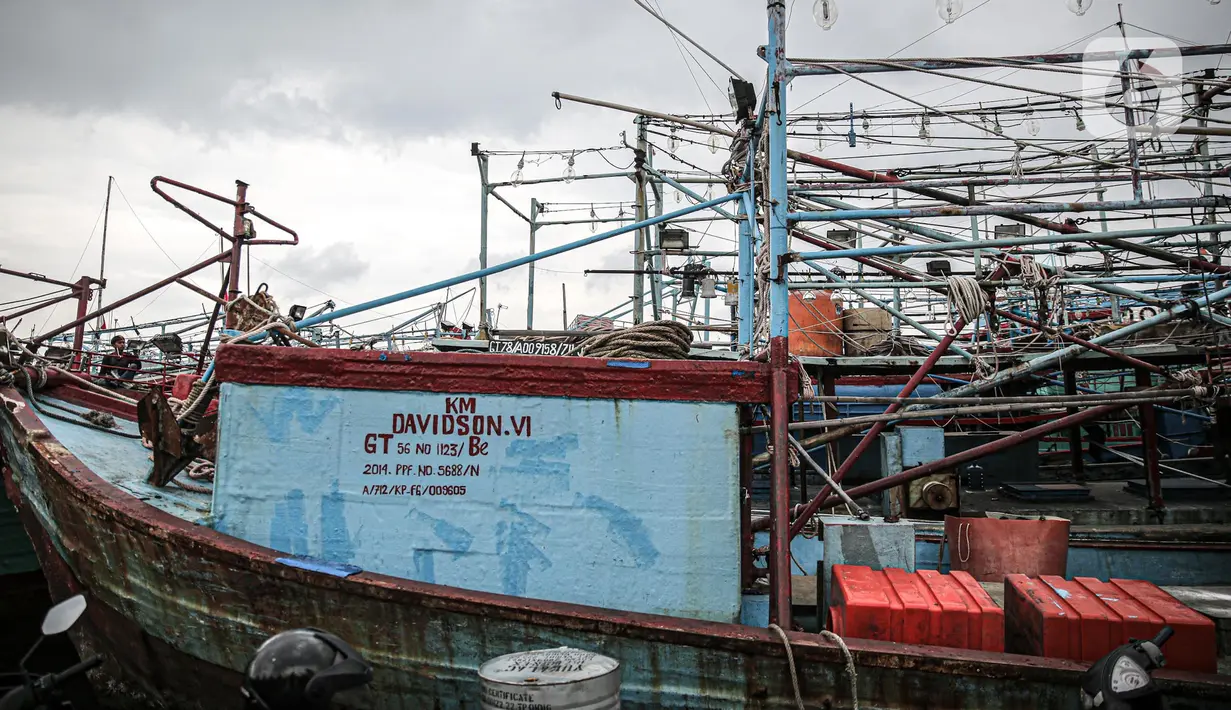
(825, 12)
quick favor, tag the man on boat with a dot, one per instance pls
(119, 367)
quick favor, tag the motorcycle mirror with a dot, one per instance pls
(62, 616)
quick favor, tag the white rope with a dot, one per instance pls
(1034, 276)
(850, 665)
(1015, 167)
(967, 298)
(790, 659)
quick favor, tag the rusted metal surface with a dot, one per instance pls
(1149, 446)
(177, 609)
(687, 380)
(130, 298)
(172, 450)
(1090, 414)
(779, 490)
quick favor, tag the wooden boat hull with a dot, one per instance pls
(176, 609)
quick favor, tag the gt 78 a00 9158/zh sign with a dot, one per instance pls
(519, 346)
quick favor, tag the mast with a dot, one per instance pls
(102, 263)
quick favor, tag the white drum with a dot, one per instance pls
(551, 679)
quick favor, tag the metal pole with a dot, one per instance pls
(1149, 448)
(868, 439)
(1130, 123)
(1076, 455)
(82, 291)
(780, 490)
(974, 228)
(978, 452)
(1203, 148)
(654, 262)
(745, 496)
(237, 245)
(213, 320)
(102, 261)
(132, 297)
(1101, 194)
(534, 227)
(484, 189)
(943, 237)
(563, 306)
(747, 282)
(641, 240)
(1056, 357)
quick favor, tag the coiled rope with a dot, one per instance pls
(967, 298)
(657, 340)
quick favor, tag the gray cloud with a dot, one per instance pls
(324, 267)
(319, 68)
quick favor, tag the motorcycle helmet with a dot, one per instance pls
(302, 668)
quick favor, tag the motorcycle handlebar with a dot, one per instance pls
(65, 675)
(1162, 636)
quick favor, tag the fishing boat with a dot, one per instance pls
(600, 488)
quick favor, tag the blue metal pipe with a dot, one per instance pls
(999, 243)
(944, 237)
(1054, 358)
(1011, 209)
(686, 191)
(747, 279)
(482, 273)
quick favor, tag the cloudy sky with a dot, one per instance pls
(352, 122)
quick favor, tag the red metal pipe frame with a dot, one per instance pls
(82, 292)
(869, 438)
(1091, 414)
(237, 241)
(213, 321)
(1149, 447)
(129, 299)
(40, 306)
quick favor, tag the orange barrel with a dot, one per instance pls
(816, 327)
(990, 548)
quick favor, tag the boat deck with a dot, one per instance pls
(125, 463)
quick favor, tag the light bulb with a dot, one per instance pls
(997, 128)
(715, 142)
(516, 177)
(709, 193)
(570, 173)
(925, 134)
(1079, 7)
(593, 224)
(678, 196)
(825, 12)
(820, 135)
(1032, 126)
(866, 123)
(949, 10)
(674, 142)
(1081, 123)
